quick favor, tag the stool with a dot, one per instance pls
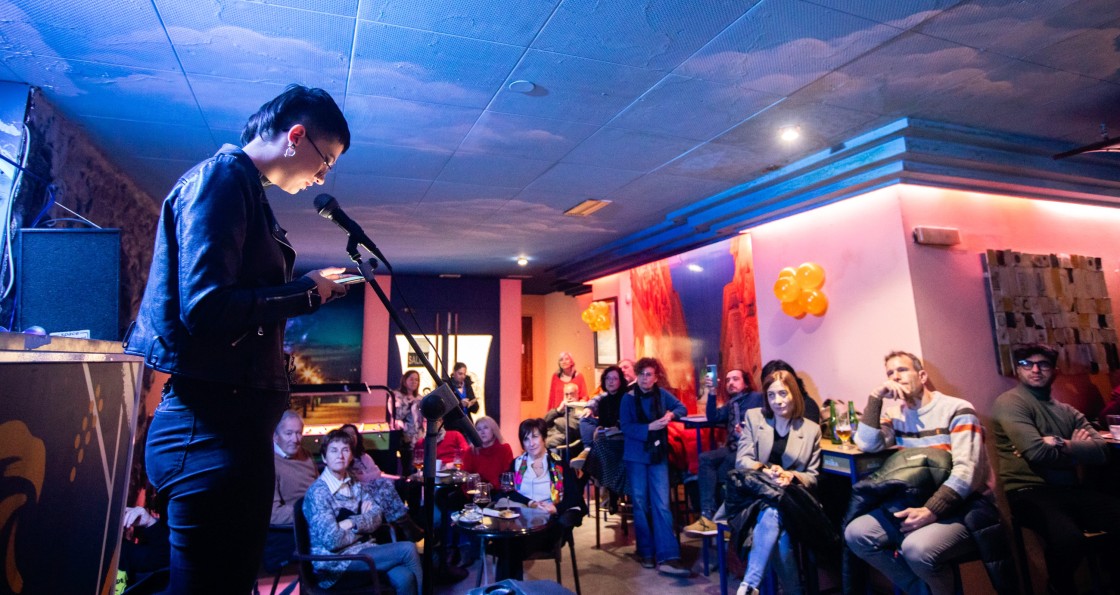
(1025, 571)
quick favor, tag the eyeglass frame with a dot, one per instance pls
(1043, 365)
(330, 166)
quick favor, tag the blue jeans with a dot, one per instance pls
(399, 560)
(209, 455)
(649, 489)
(768, 537)
(915, 564)
(714, 467)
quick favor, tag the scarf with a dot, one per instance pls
(555, 475)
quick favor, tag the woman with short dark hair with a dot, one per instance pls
(341, 517)
(219, 293)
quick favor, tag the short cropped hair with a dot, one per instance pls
(336, 436)
(914, 360)
(528, 426)
(1025, 351)
(314, 108)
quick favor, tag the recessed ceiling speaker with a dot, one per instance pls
(937, 236)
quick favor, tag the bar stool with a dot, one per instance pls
(1024, 569)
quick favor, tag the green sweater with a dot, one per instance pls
(1021, 417)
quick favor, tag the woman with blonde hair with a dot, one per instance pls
(565, 374)
(493, 457)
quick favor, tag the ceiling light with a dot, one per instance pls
(522, 261)
(789, 133)
(695, 268)
(587, 207)
(522, 87)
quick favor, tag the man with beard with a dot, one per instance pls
(716, 463)
(1040, 443)
(925, 536)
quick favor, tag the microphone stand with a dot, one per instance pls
(367, 269)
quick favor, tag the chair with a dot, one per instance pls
(308, 582)
(566, 537)
(1024, 568)
(279, 555)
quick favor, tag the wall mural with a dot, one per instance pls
(1057, 299)
(696, 310)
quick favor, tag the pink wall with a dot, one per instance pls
(375, 349)
(861, 245)
(949, 285)
(509, 329)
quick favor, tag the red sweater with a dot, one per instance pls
(453, 443)
(489, 462)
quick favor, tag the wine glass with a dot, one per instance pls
(844, 429)
(418, 461)
(507, 486)
(482, 496)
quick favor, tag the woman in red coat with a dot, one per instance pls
(566, 374)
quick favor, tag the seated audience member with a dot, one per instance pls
(451, 447)
(629, 376)
(604, 460)
(912, 552)
(542, 481)
(1040, 443)
(381, 487)
(812, 409)
(493, 457)
(295, 472)
(341, 517)
(644, 415)
(464, 389)
(567, 374)
(563, 424)
(778, 440)
(1110, 408)
(715, 463)
(145, 547)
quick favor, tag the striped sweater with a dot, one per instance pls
(947, 423)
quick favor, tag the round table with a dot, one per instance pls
(531, 521)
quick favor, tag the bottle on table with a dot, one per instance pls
(832, 422)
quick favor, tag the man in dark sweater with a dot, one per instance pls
(715, 464)
(1040, 444)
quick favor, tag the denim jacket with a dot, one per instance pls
(220, 289)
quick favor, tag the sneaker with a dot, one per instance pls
(745, 589)
(647, 562)
(701, 528)
(673, 568)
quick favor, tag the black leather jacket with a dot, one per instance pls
(220, 288)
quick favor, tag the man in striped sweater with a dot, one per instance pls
(934, 532)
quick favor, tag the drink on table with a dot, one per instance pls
(482, 497)
(1114, 426)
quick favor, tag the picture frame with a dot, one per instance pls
(606, 342)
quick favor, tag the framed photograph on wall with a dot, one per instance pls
(606, 342)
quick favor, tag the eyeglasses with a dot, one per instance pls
(321, 156)
(1043, 366)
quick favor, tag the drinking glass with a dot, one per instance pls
(844, 429)
(507, 481)
(482, 496)
(471, 484)
(418, 460)
(1114, 426)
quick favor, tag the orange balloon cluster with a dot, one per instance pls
(597, 316)
(799, 290)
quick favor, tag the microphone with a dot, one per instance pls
(329, 208)
(441, 403)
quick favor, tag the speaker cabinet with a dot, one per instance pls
(69, 280)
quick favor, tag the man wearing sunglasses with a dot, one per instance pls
(1040, 443)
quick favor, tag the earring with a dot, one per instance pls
(290, 151)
